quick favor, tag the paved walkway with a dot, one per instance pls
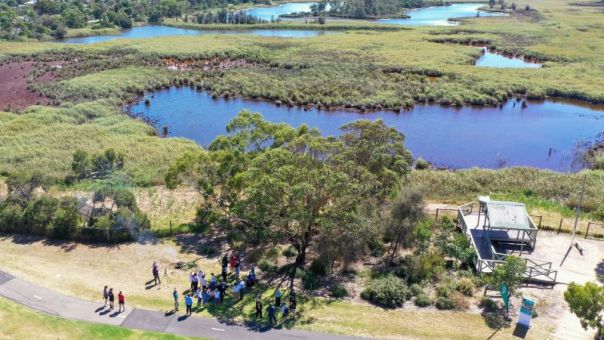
(54, 303)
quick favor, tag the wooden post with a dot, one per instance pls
(587, 231)
(170, 227)
(436, 219)
(560, 227)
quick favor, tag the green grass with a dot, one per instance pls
(44, 138)
(18, 322)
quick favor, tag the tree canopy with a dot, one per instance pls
(587, 302)
(272, 182)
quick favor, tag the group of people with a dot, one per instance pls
(109, 297)
(212, 291)
(279, 306)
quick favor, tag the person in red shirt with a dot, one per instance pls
(121, 301)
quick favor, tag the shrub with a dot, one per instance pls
(310, 281)
(66, 219)
(423, 300)
(421, 164)
(488, 305)
(444, 303)
(289, 251)
(465, 286)
(416, 290)
(267, 267)
(11, 216)
(389, 292)
(444, 289)
(318, 267)
(338, 291)
(460, 303)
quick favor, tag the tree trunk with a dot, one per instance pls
(394, 250)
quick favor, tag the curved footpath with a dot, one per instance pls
(54, 303)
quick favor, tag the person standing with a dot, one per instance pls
(232, 262)
(195, 282)
(206, 296)
(105, 295)
(212, 282)
(222, 289)
(258, 307)
(237, 266)
(224, 274)
(175, 296)
(155, 270)
(293, 301)
(199, 297)
(121, 300)
(225, 261)
(278, 295)
(188, 304)
(201, 279)
(241, 289)
(272, 315)
(284, 311)
(111, 299)
(217, 297)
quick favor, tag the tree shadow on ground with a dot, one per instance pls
(243, 312)
(65, 245)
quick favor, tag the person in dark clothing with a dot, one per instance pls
(278, 295)
(293, 301)
(155, 271)
(222, 288)
(111, 299)
(237, 266)
(224, 273)
(258, 306)
(105, 295)
(225, 262)
(272, 314)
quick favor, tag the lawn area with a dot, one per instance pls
(81, 270)
(18, 322)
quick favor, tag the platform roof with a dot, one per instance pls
(507, 215)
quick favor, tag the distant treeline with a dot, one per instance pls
(363, 9)
(21, 19)
(225, 17)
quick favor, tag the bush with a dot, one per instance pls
(388, 292)
(416, 290)
(488, 305)
(460, 302)
(267, 267)
(444, 303)
(310, 281)
(423, 300)
(318, 267)
(338, 291)
(465, 286)
(421, 164)
(289, 251)
(66, 219)
(444, 289)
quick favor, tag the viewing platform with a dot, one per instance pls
(498, 229)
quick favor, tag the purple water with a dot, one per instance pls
(453, 137)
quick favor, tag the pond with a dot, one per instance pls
(154, 31)
(268, 13)
(440, 15)
(496, 60)
(542, 135)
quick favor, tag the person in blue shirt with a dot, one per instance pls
(189, 304)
